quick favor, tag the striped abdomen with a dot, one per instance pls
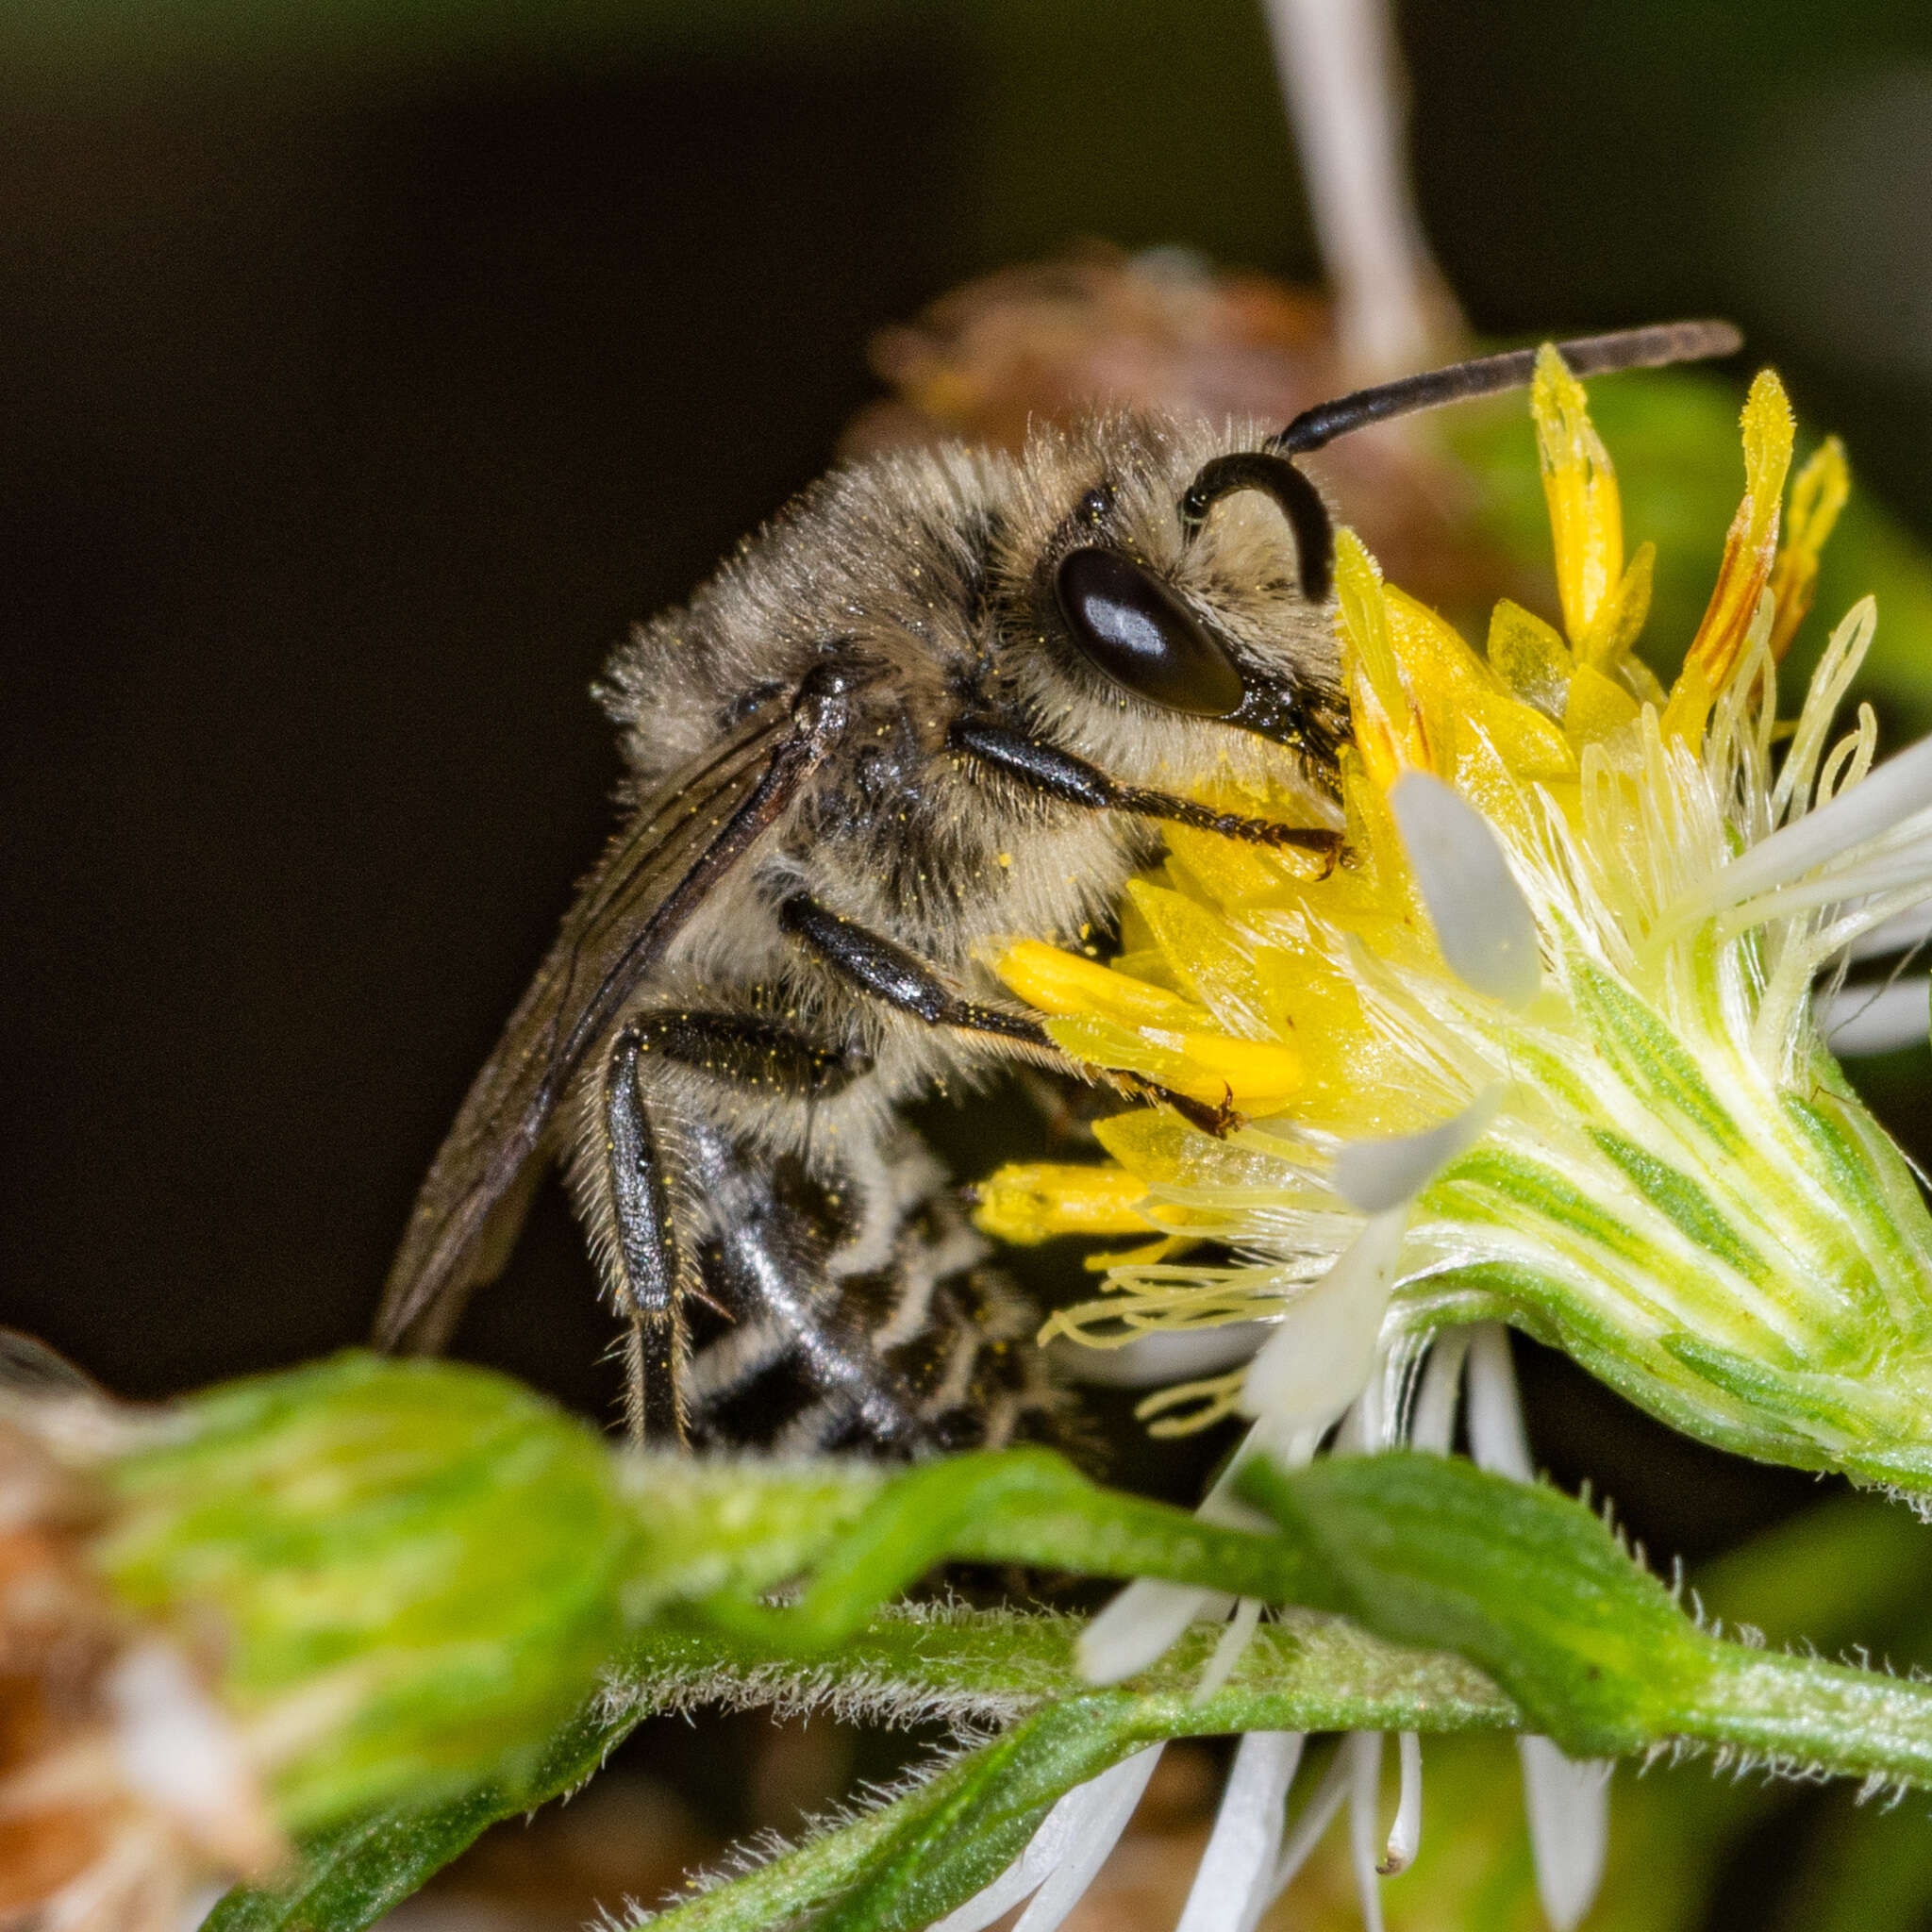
(858, 1312)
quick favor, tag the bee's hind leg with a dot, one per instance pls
(637, 1248)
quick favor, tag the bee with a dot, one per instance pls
(947, 698)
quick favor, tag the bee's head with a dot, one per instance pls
(1131, 621)
(1217, 630)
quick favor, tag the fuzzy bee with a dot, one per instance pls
(946, 698)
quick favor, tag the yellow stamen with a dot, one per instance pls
(1035, 1200)
(1065, 983)
(1580, 487)
(1817, 496)
(1750, 548)
(1388, 733)
(1202, 1405)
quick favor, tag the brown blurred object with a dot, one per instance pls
(1167, 330)
(88, 1700)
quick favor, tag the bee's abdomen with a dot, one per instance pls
(857, 1313)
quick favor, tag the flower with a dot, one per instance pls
(1676, 1184)
(275, 1607)
(1542, 1049)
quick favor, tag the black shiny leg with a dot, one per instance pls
(893, 975)
(646, 1251)
(1059, 775)
(749, 1051)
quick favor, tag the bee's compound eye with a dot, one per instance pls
(1142, 635)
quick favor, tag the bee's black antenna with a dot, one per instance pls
(1629, 348)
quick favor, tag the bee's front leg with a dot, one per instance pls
(1056, 773)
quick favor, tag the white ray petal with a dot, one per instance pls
(1483, 923)
(1063, 1832)
(1324, 1349)
(1892, 794)
(1569, 1806)
(1098, 1830)
(1406, 1834)
(1880, 1019)
(1235, 1878)
(1140, 1625)
(1304, 1834)
(1227, 1650)
(1375, 1175)
(1364, 1808)
(1432, 1422)
(1497, 1440)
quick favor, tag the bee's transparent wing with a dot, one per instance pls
(679, 843)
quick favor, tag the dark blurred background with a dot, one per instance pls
(365, 371)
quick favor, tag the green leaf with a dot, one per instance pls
(1534, 1589)
(353, 1872)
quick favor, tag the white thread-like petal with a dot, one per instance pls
(1364, 1818)
(1236, 1877)
(1907, 929)
(1323, 1350)
(1227, 1651)
(1432, 1420)
(1025, 1875)
(1140, 1625)
(1097, 1831)
(1304, 1834)
(1569, 1806)
(1069, 1821)
(1876, 1019)
(1889, 796)
(1497, 1440)
(1483, 923)
(1375, 1175)
(1406, 1834)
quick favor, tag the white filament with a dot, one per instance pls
(1176, 1355)
(1304, 1834)
(1432, 1422)
(1227, 1650)
(1483, 924)
(1140, 1625)
(1496, 1438)
(1568, 1802)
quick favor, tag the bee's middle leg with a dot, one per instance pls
(899, 979)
